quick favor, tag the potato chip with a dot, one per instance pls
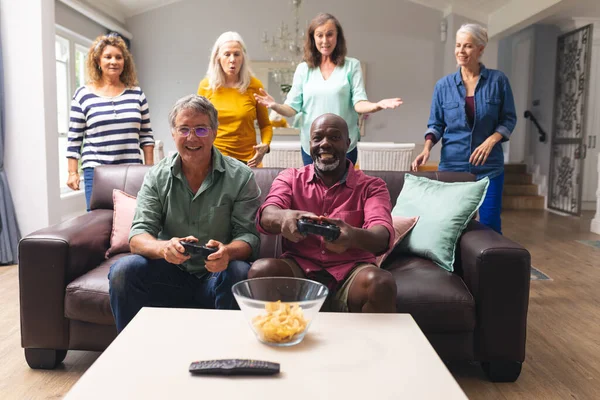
(281, 322)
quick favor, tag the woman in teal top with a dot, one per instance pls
(327, 82)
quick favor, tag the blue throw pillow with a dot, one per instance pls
(444, 210)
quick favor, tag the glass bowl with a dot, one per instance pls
(280, 310)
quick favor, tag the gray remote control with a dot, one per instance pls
(234, 366)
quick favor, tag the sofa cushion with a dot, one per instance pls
(444, 208)
(438, 300)
(402, 225)
(124, 210)
(86, 298)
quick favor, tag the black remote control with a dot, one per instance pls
(194, 249)
(234, 366)
(330, 232)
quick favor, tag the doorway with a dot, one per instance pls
(568, 128)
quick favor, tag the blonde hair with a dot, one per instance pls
(216, 75)
(94, 73)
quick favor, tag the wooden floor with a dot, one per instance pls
(563, 343)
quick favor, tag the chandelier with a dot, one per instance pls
(286, 48)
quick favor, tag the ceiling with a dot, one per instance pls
(478, 10)
(122, 9)
(129, 8)
(484, 7)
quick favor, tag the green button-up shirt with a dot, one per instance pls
(223, 209)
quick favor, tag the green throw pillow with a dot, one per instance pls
(444, 210)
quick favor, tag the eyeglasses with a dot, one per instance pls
(200, 131)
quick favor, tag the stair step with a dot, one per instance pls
(520, 190)
(523, 202)
(518, 179)
(515, 168)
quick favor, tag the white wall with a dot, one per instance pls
(31, 153)
(543, 92)
(399, 41)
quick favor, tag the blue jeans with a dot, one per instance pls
(88, 181)
(489, 212)
(136, 282)
(351, 155)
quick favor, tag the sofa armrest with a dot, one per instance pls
(497, 272)
(48, 260)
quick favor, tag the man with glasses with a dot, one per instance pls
(197, 195)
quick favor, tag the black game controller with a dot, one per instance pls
(330, 232)
(195, 250)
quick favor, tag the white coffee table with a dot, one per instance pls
(343, 356)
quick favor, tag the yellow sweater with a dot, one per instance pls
(236, 135)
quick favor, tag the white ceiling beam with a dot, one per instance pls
(467, 12)
(98, 17)
(519, 14)
(429, 4)
(113, 8)
(131, 12)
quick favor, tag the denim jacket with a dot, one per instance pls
(494, 112)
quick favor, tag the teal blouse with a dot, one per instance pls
(312, 96)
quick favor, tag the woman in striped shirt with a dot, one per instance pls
(110, 120)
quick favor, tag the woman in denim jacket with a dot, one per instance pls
(472, 112)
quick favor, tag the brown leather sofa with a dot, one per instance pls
(479, 312)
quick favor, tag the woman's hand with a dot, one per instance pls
(261, 150)
(420, 160)
(73, 181)
(386, 104)
(264, 98)
(481, 153)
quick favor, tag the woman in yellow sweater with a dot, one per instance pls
(230, 87)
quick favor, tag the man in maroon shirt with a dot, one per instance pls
(331, 190)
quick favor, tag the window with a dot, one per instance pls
(71, 52)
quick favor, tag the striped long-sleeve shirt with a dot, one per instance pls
(111, 129)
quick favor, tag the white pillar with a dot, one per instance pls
(31, 138)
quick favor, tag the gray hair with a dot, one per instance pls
(200, 104)
(476, 31)
(216, 75)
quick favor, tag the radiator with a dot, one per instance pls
(385, 156)
(372, 156)
(283, 155)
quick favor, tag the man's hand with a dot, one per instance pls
(289, 226)
(345, 241)
(174, 252)
(218, 261)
